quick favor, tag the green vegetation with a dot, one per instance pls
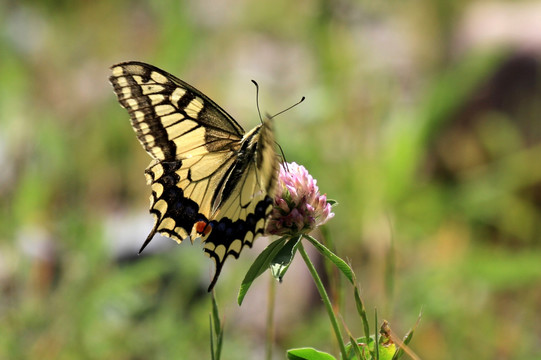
(430, 143)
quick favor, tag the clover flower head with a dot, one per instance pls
(298, 206)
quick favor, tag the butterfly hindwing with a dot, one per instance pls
(208, 178)
(245, 196)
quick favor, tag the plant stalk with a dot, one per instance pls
(325, 299)
(270, 318)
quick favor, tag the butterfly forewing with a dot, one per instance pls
(208, 178)
(171, 118)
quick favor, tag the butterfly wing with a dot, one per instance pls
(208, 179)
(171, 118)
(245, 197)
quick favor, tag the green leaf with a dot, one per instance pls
(283, 259)
(308, 354)
(353, 345)
(261, 263)
(361, 347)
(340, 264)
(386, 352)
(332, 202)
(365, 349)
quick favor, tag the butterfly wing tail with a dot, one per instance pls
(149, 237)
(215, 278)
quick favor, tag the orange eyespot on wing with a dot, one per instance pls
(203, 228)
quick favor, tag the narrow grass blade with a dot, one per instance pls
(407, 338)
(217, 335)
(211, 338)
(362, 312)
(376, 340)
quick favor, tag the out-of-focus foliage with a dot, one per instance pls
(422, 119)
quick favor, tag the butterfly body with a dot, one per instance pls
(209, 179)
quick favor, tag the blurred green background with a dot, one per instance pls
(422, 119)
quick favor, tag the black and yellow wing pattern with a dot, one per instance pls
(209, 178)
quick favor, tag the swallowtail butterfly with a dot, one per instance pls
(209, 178)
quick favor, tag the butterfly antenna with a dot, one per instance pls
(275, 115)
(289, 108)
(257, 100)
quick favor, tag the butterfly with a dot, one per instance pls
(209, 179)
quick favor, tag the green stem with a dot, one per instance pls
(376, 333)
(325, 298)
(270, 318)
